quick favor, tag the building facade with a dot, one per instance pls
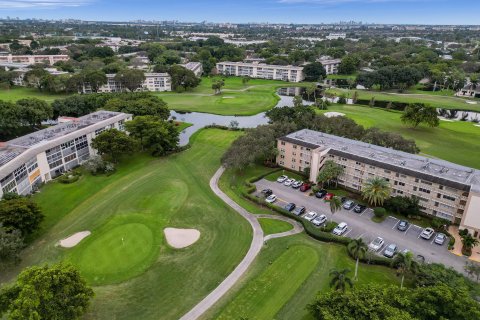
(330, 65)
(195, 67)
(153, 82)
(261, 70)
(445, 190)
(28, 161)
(33, 59)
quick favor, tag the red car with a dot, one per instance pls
(305, 187)
(329, 196)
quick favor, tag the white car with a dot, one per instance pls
(282, 179)
(310, 216)
(297, 184)
(440, 238)
(319, 220)
(427, 233)
(271, 198)
(288, 182)
(340, 229)
(376, 244)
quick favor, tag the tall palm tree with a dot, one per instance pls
(405, 264)
(468, 243)
(376, 190)
(357, 249)
(335, 204)
(340, 280)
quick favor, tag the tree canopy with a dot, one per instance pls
(113, 144)
(314, 71)
(20, 214)
(417, 113)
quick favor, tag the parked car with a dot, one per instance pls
(403, 225)
(349, 204)
(297, 184)
(288, 182)
(427, 233)
(319, 220)
(310, 216)
(282, 179)
(299, 210)
(267, 192)
(376, 244)
(329, 196)
(359, 208)
(271, 198)
(320, 194)
(343, 199)
(289, 206)
(340, 229)
(305, 187)
(440, 238)
(390, 251)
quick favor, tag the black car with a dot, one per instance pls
(267, 192)
(403, 225)
(359, 208)
(343, 199)
(289, 206)
(299, 210)
(320, 194)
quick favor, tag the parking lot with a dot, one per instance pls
(361, 226)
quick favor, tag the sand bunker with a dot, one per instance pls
(74, 239)
(333, 114)
(181, 238)
(228, 97)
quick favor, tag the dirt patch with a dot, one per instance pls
(74, 239)
(181, 238)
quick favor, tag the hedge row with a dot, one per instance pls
(383, 104)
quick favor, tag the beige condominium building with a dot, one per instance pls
(261, 70)
(445, 190)
(153, 82)
(33, 59)
(330, 65)
(30, 160)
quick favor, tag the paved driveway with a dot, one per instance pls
(360, 225)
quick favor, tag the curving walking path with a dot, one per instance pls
(255, 247)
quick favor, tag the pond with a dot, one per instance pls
(200, 120)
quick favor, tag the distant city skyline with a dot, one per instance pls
(458, 12)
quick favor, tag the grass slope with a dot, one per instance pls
(452, 141)
(17, 93)
(145, 279)
(272, 226)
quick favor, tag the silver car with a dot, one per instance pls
(440, 238)
(390, 251)
(319, 220)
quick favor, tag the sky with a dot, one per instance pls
(237, 11)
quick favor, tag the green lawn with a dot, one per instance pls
(288, 273)
(342, 76)
(256, 96)
(17, 93)
(452, 141)
(272, 226)
(139, 276)
(183, 125)
(439, 101)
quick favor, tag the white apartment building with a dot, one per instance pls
(335, 36)
(330, 65)
(445, 190)
(261, 70)
(195, 67)
(153, 82)
(28, 161)
(19, 79)
(33, 59)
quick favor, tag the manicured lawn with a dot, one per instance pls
(183, 125)
(452, 141)
(342, 76)
(256, 96)
(272, 226)
(17, 93)
(439, 101)
(139, 276)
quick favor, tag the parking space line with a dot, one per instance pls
(361, 235)
(361, 214)
(395, 224)
(348, 231)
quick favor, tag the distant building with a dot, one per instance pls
(335, 36)
(195, 67)
(261, 70)
(19, 79)
(156, 82)
(330, 65)
(49, 59)
(38, 157)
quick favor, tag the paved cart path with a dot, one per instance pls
(255, 247)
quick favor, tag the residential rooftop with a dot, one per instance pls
(263, 65)
(436, 170)
(11, 149)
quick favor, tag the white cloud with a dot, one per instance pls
(12, 4)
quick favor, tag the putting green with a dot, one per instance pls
(123, 250)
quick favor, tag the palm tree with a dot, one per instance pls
(468, 243)
(357, 249)
(335, 204)
(405, 265)
(376, 191)
(340, 280)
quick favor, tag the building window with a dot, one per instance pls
(357, 163)
(294, 146)
(448, 198)
(424, 190)
(282, 143)
(387, 171)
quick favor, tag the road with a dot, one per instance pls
(255, 247)
(361, 226)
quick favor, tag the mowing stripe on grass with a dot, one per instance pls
(264, 296)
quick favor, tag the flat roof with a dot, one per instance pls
(11, 149)
(263, 65)
(435, 170)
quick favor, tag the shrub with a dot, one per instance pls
(379, 212)
(69, 177)
(96, 165)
